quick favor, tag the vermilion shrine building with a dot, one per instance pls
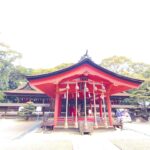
(77, 90)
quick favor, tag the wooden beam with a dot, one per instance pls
(56, 110)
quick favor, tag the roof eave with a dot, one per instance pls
(85, 61)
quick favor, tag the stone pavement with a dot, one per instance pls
(14, 128)
(90, 143)
(20, 133)
(143, 128)
(78, 141)
(26, 135)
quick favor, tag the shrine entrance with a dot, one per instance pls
(83, 100)
(82, 92)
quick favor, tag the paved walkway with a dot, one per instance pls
(143, 128)
(11, 129)
(78, 141)
(16, 135)
(90, 143)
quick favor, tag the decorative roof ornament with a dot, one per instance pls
(85, 56)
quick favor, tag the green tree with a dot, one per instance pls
(27, 110)
(1, 97)
(146, 73)
(125, 66)
(17, 76)
(141, 96)
(41, 71)
(118, 64)
(140, 70)
(7, 58)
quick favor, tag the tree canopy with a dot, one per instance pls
(7, 68)
(11, 76)
(125, 66)
(27, 110)
(9, 73)
(58, 67)
(118, 64)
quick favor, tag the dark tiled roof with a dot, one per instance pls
(85, 61)
(25, 89)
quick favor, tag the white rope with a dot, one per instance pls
(76, 118)
(85, 117)
(66, 118)
(95, 119)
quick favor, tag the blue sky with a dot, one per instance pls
(49, 32)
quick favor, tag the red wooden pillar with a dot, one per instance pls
(56, 110)
(59, 107)
(100, 108)
(109, 110)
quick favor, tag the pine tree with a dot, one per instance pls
(27, 110)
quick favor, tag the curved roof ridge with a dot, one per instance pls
(86, 60)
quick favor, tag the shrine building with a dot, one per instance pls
(78, 89)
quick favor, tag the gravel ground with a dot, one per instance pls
(13, 128)
(36, 145)
(61, 139)
(132, 144)
(135, 136)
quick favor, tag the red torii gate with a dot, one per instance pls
(84, 78)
